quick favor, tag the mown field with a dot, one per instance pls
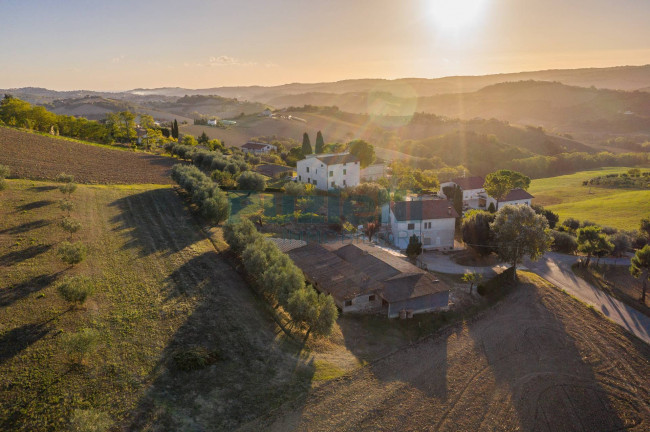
(538, 361)
(565, 195)
(161, 289)
(36, 156)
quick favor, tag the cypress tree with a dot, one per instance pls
(306, 144)
(175, 129)
(320, 143)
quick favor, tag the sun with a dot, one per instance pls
(455, 14)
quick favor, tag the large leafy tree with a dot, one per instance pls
(499, 183)
(520, 232)
(363, 150)
(476, 231)
(591, 241)
(306, 144)
(320, 143)
(640, 268)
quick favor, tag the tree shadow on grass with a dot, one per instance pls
(34, 205)
(250, 371)
(16, 257)
(155, 221)
(42, 188)
(26, 227)
(16, 340)
(16, 292)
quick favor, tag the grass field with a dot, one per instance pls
(565, 195)
(161, 288)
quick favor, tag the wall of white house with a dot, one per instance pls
(362, 303)
(515, 202)
(312, 170)
(439, 236)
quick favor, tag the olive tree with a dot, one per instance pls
(75, 289)
(520, 232)
(72, 253)
(591, 241)
(640, 268)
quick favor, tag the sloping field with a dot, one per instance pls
(40, 157)
(565, 195)
(539, 361)
(162, 289)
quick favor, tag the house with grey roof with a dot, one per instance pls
(329, 171)
(363, 278)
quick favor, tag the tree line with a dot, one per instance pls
(279, 280)
(212, 202)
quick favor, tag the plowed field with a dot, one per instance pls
(40, 157)
(540, 361)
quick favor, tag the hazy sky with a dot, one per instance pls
(119, 45)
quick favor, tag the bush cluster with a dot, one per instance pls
(251, 181)
(280, 280)
(4, 173)
(75, 289)
(210, 160)
(212, 201)
(72, 253)
(194, 358)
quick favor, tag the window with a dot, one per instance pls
(348, 302)
(411, 226)
(331, 173)
(427, 225)
(307, 169)
(316, 170)
(299, 178)
(371, 297)
(315, 183)
(344, 183)
(345, 171)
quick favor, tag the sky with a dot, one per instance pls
(119, 45)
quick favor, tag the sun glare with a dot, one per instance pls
(455, 14)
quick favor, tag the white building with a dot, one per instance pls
(329, 171)
(432, 221)
(258, 148)
(212, 122)
(373, 172)
(514, 197)
(474, 195)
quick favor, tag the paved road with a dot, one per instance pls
(556, 268)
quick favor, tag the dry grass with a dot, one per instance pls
(537, 361)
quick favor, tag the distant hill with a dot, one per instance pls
(628, 78)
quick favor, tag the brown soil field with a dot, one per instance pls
(538, 361)
(40, 157)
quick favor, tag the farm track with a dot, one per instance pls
(39, 157)
(539, 361)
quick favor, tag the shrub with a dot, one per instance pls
(194, 358)
(252, 181)
(239, 235)
(68, 188)
(216, 209)
(80, 343)
(622, 242)
(64, 178)
(609, 230)
(414, 248)
(89, 421)
(571, 223)
(498, 286)
(476, 231)
(3, 184)
(66, 205)
(551, 218)
(563, 242)
(72, 253)
(295, 188)
(70, 225)
(4, 171)
(75, 289)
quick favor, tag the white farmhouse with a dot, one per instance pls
(257, 148)
(329, 171)
(514, 197)
(432, 221)
(474, 195)
(212, 122)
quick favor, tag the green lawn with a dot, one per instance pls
(565, 195)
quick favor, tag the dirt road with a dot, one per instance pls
(556, 268)
(539, 361)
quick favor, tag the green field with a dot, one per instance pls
(565, 195)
